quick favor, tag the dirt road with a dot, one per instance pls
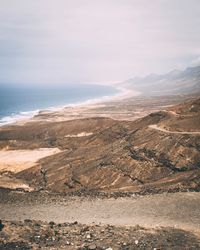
(180, 210)
(156, 127)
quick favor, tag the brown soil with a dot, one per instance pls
(114, 156)
(102, 159)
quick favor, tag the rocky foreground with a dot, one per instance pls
(47, 221)
(40, 235)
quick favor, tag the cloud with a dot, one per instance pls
(65, 41)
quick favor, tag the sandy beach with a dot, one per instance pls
(23, 117)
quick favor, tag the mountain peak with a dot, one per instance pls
(174, 82)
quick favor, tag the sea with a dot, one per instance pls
(19, 102)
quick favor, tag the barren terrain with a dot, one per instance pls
(166, 221)
(179, 210)
(102, 176)
(156, 153)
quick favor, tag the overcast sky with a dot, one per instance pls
(91, 41)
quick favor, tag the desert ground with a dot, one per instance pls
(115, 175)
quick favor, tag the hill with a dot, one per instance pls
(156, 153)
(174, 82)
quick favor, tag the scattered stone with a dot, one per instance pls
(97, 237)
(51, 224)
(27, 221)
(85, 229)
(14, 245)
(1, 225)
(92, 247)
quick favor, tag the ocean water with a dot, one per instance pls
(18, 102)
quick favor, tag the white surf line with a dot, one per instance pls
(154, 126)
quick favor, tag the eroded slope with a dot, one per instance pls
(114, 156)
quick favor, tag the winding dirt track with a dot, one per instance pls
(181, 210)
(156, 127)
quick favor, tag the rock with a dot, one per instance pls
(109, 248)
(88, 236)
(92, 247)
(27, 221)
(1, 225)
(136, 242)
(51, 224)
(85, 229)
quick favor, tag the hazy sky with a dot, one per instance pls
(85, 41)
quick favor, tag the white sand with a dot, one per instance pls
(13, 183)
(82, 134)
(18, 160)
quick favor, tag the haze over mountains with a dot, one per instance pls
(174, 82)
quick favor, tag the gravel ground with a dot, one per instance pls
(39, 235)
(47, 221)
(179, 210)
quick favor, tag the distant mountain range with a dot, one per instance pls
(174, 82)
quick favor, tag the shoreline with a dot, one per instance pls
(23, 117)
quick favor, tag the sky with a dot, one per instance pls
(96, 41)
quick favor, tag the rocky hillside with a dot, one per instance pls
(160, 152)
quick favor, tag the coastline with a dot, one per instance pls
(26, 116)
